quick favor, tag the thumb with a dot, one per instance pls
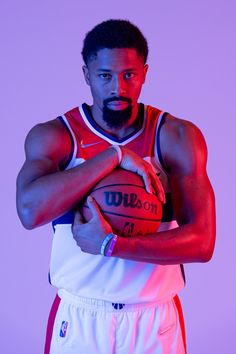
(94, 208)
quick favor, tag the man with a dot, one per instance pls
(117, 294)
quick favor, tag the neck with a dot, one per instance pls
(117, 132)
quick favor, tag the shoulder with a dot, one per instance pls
(46, 130)
(182, 143)
(49, 139)
(179, 130)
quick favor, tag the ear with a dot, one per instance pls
(86, 74)
(145, 70)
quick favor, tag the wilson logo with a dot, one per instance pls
(129, 200)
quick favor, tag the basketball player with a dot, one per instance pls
(117, 294)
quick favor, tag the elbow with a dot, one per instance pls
(207, 247)
(28, 209)
(27, 218)
(206, 256)
(208, 235)
(28, 225)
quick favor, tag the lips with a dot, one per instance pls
(117, 105)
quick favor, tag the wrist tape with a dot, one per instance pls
(119, 151)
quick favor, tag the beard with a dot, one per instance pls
(115, 118)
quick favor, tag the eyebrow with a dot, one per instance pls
(108, 70)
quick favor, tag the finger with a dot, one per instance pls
(78, 219)
(93, 206)
(158, 188)
(147, 181)
(153, 184)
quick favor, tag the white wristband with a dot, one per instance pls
(119, 151)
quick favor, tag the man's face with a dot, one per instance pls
(115, 77)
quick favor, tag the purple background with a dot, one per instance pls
(192, 75)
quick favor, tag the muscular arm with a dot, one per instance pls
(185, 154)
(43, 191)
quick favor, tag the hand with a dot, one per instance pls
(132, 162)
(89, 236)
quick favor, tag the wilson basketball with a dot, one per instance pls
(126, 204)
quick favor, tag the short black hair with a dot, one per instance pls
(114, 34)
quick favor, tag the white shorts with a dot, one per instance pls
(90, 326)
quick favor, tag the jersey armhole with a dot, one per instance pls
(158, 153)
(73, 150)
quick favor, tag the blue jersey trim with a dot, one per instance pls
(158, 142)
(67, 218)
(64, 166)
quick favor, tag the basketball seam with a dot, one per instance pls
(126, 216)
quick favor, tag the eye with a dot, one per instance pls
(129, 75)
(105, 76)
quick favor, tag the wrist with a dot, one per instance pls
(118, 150)
(111, 245)
(108, 245)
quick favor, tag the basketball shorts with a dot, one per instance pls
(89, 326)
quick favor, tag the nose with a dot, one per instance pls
(118, 86)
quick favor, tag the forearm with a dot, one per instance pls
(50, 196)
(184, 244)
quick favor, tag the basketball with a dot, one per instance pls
(125, 204)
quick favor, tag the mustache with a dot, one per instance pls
(120, 98)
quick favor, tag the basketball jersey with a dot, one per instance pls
(111, 278)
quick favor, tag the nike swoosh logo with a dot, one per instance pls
(89, 145)
(163, 331)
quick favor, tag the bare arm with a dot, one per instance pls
(185, 154)
(44, 192)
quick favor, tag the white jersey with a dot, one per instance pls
(109, 278)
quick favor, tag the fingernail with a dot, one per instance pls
(151, 190)
(90, 198)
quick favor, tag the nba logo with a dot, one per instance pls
(63, 329)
